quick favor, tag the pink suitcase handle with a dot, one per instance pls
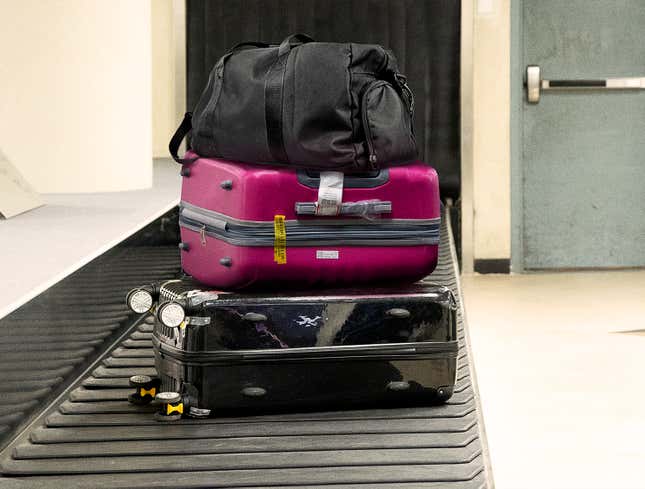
(364, 208)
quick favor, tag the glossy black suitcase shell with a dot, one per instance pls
(304, 351)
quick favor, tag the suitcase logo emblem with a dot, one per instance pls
(308, 322)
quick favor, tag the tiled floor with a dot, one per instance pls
(560, 361)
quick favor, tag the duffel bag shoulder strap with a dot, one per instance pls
(186, 124)
(181, 132)
(273, 96)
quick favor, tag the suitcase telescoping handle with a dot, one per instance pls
(371, 179)
(330, 194)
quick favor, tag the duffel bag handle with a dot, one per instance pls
(292, 41)
(249, 45)
(186, 124)
(273, 93)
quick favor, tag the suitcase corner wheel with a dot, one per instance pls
(146, 388)
(143, 299)
(171, 406)
(444, 393)
(439, 395)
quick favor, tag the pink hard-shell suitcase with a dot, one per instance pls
(247, 225)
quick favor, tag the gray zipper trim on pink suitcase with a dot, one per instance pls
(338, 232)
(217, 218)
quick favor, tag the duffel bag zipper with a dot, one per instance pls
(402, 82)
(372, 157)
(216, 79)
(201, 115)
(216, 76)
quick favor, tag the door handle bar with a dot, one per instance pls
(535, 84)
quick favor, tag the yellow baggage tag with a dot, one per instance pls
(280, 240)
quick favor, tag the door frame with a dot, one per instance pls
(466, 136)
(517, 136)
(179, 46)
(476, 73)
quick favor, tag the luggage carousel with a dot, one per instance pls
(90, 436)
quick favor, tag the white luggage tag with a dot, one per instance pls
(330, 193)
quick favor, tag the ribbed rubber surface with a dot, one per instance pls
(94, 438)
(45, 343)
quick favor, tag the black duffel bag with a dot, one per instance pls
(322, 106)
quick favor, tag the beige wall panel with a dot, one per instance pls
(75, 115)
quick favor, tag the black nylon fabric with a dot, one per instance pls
(305, 104)
(423, 34)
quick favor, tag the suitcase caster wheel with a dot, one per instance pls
(146, 388)
(167, 418)
(444, 393)
(171, 406)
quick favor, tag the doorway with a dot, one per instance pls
(578, 155)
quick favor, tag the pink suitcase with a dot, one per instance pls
(234, 236)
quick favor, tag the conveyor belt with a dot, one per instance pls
(46, 343)
(91, 437)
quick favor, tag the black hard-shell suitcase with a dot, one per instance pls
(228, 351)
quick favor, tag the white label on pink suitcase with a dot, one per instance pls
(327, 254)
(330, 193)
